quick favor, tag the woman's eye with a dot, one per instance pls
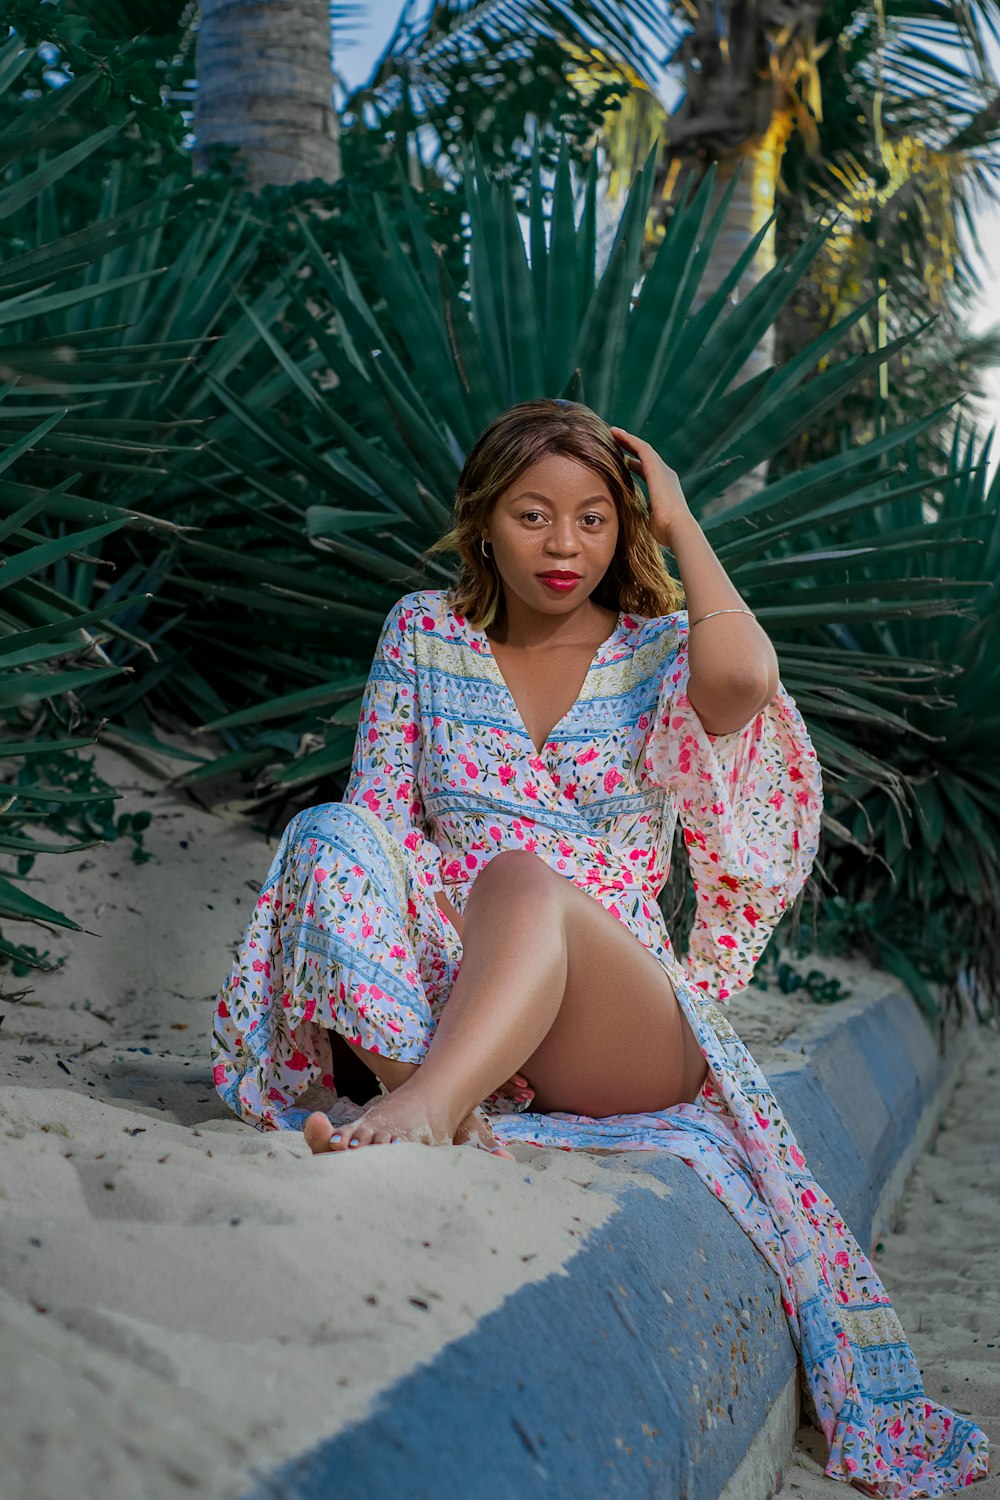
(593, 517)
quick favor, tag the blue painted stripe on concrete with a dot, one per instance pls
(589, 1384)
(649, 1366)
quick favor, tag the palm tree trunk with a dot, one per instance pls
(752, 204)
(265, 88)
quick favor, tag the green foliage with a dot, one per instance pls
(61, 40)
(330, 499)
(776, 967)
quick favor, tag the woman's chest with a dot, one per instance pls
(542, 688)
(482, 733)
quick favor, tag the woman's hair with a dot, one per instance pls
(637, 581)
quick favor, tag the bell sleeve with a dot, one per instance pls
(750, 804)
(385, 766)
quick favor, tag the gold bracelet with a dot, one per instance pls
(693, 623)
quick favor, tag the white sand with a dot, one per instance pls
(191, 1300)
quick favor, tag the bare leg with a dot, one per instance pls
(321, 1135)
(552, 985)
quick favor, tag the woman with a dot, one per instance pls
(478, 918)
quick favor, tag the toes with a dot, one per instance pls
(318, 1131)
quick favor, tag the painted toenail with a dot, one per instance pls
(335, 1137)
(353, 1143)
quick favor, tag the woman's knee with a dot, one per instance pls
(517, 873)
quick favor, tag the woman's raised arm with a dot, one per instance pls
(734, 669)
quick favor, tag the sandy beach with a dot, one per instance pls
(192, 1302)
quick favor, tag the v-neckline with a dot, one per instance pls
(487, 655)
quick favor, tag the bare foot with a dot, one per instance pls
(476, 1127)
(383, 1121)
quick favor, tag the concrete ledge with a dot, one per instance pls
(658, 1364)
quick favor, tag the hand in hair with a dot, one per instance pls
(667, 505)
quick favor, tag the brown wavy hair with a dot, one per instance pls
(637, 580)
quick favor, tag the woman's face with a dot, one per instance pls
(557, 517)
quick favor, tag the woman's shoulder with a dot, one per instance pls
(421, 609)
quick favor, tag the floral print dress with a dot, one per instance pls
(347, 935)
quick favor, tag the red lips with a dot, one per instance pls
(557, 574)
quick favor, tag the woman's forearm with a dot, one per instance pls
(734, 669)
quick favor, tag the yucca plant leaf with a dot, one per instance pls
(17, 903)
(292, 703)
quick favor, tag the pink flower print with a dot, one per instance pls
(219, 1074)
(612, 779)
(569, 790)
(471, 861)
(897, 1429)
(372, 735)
(366, 928)
(411, 733)
(427, 622)
(393, 1027)
(397, 951)
(730, 882)
(808, 1198)
(264, 900)
(726, 941)
(362, 1009)
(536, 763)
(223, 1009)
(313, 847)
(531, 845)
(471, 769)
(842, 1258)
(319, 874)
(851, 1465)
(309, 1011)
(286, 1000)
(531, 790)
(275, 1096)
(261, 967)
(751, 915)
(796, 1156)
(309, 910)
(298, 1062)
(586, 756)
(761, 1121)
(495, 832)
(506, 773)
(566, 849)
